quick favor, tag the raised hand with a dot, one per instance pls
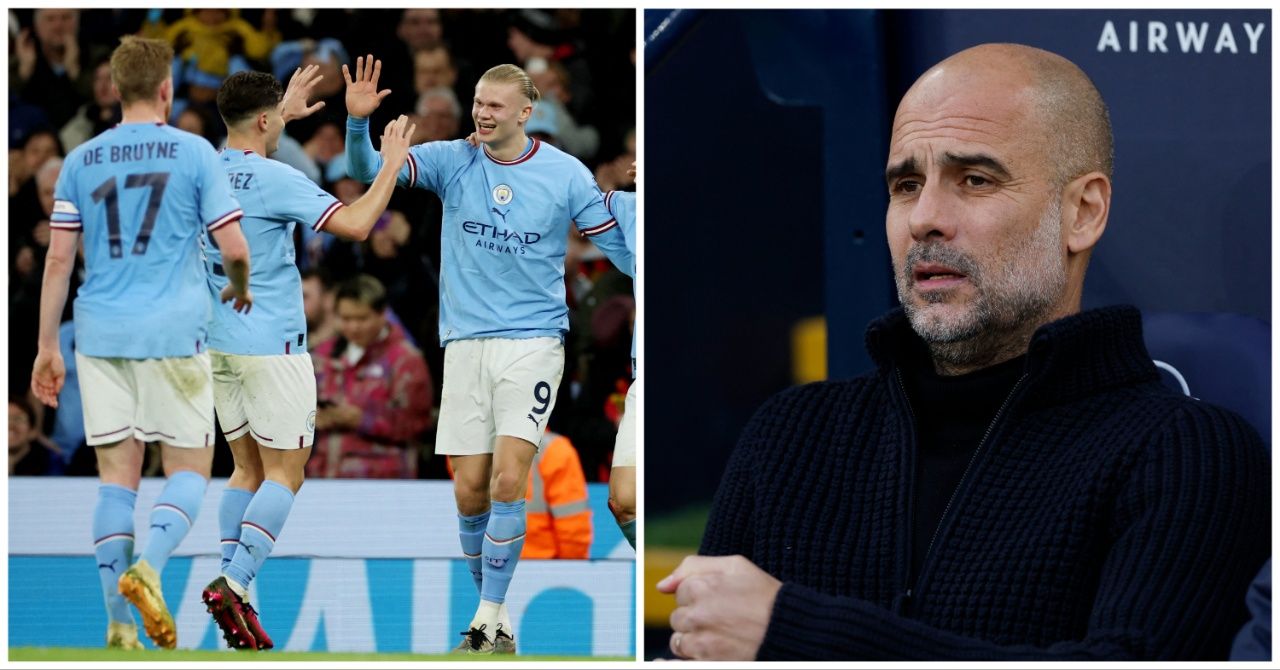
(293, 105)
(395, 141)
(25, 46)
(363, 96)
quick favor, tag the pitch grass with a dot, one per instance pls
(17, 654)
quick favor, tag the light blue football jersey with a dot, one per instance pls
(143, 194)
(504, 233)
(622, 206)
(275, 198)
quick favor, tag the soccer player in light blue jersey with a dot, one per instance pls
(622, 477)
(508, 207)
(264, 386)
(143, 194)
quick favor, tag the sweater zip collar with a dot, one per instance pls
(913, 591)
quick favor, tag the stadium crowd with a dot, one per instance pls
(583, 61)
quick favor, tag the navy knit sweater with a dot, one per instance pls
(1104, 517)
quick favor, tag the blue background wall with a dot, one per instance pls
(765, 142)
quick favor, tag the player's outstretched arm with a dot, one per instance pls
(293, 105)
(235, 260)
(49, 371)
(356, 220)
(363, 97)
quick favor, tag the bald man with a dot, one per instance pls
(1012, 482)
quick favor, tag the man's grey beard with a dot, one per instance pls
(1011, 300)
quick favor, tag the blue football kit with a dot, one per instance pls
(275, 198)
(142, 194)
(504, 233)
(622, 206)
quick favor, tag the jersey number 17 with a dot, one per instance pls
(107, 192)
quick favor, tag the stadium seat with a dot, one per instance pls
(1224, 359)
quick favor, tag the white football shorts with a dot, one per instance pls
(167, 400)
(497, 387)
(272, 398)
(624, 450)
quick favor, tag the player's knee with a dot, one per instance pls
(506, 487)
(250, 474)
(623, 507)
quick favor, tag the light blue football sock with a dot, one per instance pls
(113, 545)
(263, 521)
(471, 532)
(503, 541)
(230, 513)
(629, 531)
(171, 518)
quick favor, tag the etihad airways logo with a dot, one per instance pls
(500, 240)
(1185, 37)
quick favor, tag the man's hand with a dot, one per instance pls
(47, 376)
(723, 607)
(340, 416)
(363, 96)
(473, 139)
(395, 141)
(243, 302)
(25, 47)
(293, 105)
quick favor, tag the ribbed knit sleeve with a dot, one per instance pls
(729, 526)
(1189, 530)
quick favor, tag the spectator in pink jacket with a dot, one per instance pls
(374, 392)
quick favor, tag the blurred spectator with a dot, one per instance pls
(374, 395)
(433, 67)
(327, 148)
(29, 453)
(438, 116)
(551, 78)
(212, 43)
(558, 511)
(47, 66)
(544, 124)
(536, 33)
(613, 175)
(317, 303)
(39, 147)
(197, 120)
(99, 114)
(420, 29)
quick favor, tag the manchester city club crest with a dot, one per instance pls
(502, 194)
(311, 421)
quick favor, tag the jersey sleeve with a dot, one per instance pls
(595, 222)
(433, 164)
(622, 206)
(363, 161)
(217, 206)
(291, 195)
(66, 214)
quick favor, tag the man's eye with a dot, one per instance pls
(906, 186)
(976, 180)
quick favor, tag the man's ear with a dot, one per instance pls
(1086, 203)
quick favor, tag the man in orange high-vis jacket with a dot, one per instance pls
(558, 512)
